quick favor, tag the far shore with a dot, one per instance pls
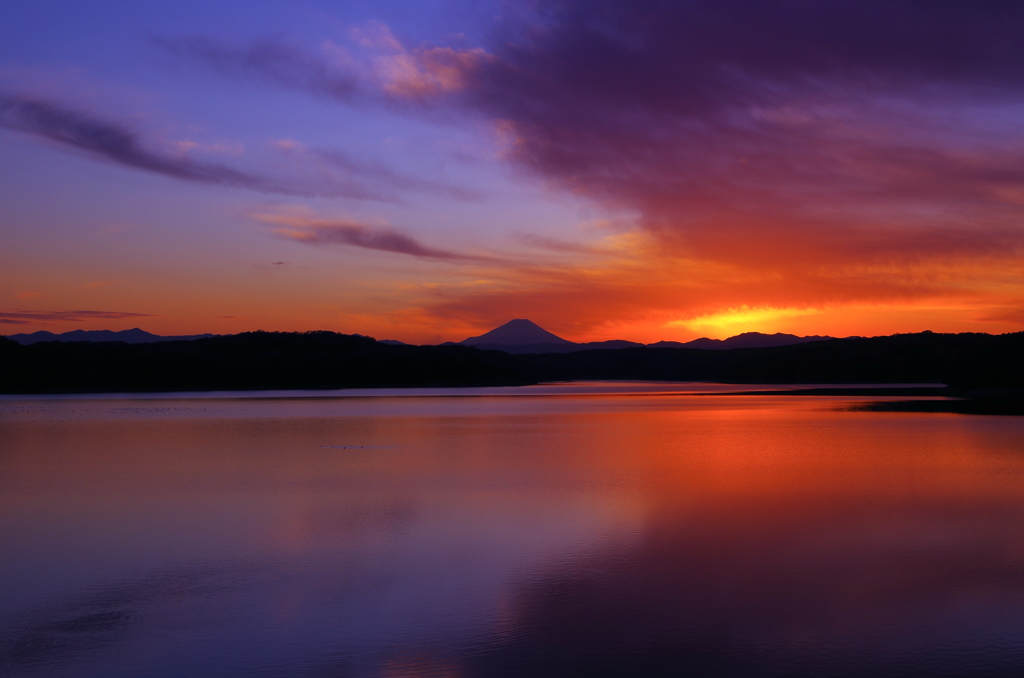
(897, 397)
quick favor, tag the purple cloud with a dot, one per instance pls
(111, 141)
(727, 121)
(367, 236)
(334, 173)
(706, 115)
(381, 69)
(340, 166)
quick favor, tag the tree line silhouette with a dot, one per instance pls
(327, 360)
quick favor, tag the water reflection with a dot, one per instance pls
(496, 536)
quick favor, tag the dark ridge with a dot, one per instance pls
(963, 360)
(1008, 404)
(567, 347)
(968, 363)
(248, 361)
(132, 336)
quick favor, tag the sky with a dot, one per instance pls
(427, 170)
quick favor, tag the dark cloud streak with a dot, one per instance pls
(117, 143)
(111, 141)
(366, 236)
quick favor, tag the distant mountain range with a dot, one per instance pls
(522, 336)
(132, 336)
(518, 336)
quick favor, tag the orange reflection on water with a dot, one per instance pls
(461, 535)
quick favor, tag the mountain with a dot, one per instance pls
(132, 336)
(520, 332)
(523, 337)
(745, 340)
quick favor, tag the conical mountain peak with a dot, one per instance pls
(518, 332)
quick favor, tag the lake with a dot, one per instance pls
(557, 530)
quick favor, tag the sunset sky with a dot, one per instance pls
(426, 170)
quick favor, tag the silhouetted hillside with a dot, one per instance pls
(252, 360)
(314, 360)
(961, 360)
(745, 340)
(132, 336)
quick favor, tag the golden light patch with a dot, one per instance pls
(733, 321)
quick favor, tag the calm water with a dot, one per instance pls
(553, 531)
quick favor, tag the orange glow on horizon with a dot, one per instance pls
(625, 285)
(733, 321)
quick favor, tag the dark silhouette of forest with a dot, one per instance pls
(973, 364)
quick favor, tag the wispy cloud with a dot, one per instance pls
(31, 317)
(543, 242)
(372, 66)
(382, 237)
(111, 141)
(270, 59)
(317, 172)
(336, 167)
